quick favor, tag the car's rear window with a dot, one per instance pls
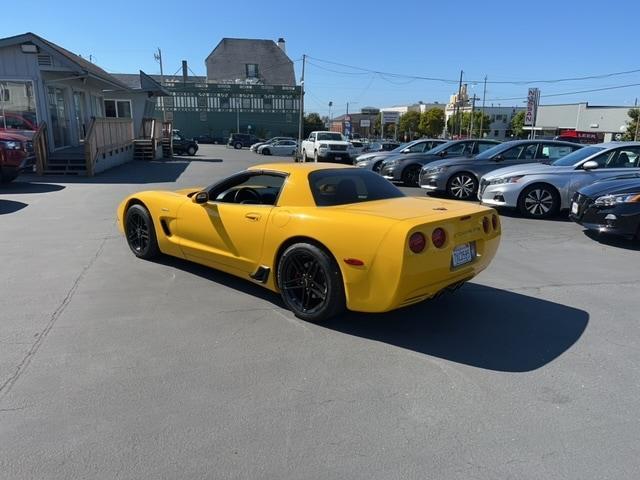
(350, 185)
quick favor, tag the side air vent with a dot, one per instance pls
(165, 227)
(44, 60)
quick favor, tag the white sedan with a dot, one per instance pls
(540, 191)
(281, 147)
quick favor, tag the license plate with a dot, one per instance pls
(338, 158)
(574, 208)
(462, 254)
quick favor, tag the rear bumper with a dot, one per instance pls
(336, 157)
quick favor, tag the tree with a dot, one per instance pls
(312, 122)
(517, 125)
(408, 124)
(632, 124)
(431, 122)
(465, 119)
(389, 129)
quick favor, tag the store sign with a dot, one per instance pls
(365, 123)
(533, 98)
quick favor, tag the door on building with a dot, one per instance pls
(80, 114)
(58, 115)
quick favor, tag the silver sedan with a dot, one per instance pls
(540, 191)
(281, 147)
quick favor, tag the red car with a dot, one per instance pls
(13, 155)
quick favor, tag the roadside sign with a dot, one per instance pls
(390, 117)
(533, 98)
(347, 128)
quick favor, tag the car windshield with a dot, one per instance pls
(441, 147)
(350, 185)
(577, 156)
(329, 136)
(493, 151)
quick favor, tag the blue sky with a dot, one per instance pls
(505, 40)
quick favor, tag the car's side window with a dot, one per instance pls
(249, 188)
(456, 149)
(418, 147)
(624, 158)
(482, 146)
(512, 153)
(529, 152)
(604, 158)
(554, 152)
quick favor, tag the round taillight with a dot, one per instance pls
(495, 222)
(486, 225)
(417, 242)
(438, 237)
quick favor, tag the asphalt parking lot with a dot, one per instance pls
(113, 367)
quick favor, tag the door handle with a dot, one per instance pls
(252, 216)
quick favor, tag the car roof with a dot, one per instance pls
(616, 144)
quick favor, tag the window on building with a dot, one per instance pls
(252, 70)
(246, 103)
(288, 104)
(17, 105)
(117, 108)
(268, 103)
(496, 133)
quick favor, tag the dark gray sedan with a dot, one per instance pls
(406, 168)
(459, 177)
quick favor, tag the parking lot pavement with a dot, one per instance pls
(113, 367)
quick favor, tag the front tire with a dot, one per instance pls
(266, 151)
(304, 156)
(462, 186)
(141, 236)
(310, 283)
(411, 176)
(191, 151)
(315, 156)
(539, 201)
(237, 146)
(377, 166)
(7, 177)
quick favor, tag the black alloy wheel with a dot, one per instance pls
(310, 283)
(539, 201)
(411, 176)
(462, 186)
(140, 233)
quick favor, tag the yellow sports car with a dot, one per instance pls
(323, 235)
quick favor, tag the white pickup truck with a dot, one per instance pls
(327, 147)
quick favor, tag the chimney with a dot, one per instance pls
(282, 45)
(184, 71)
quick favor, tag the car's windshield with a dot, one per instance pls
(351, 185)
(493, 151)
(329, 136)
(576, 156)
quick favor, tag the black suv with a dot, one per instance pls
(181, 144)
(241, 140)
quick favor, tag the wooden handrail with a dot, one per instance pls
(41, 148)
(105, 134)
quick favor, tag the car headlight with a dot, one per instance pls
(613, 200)
(11, 145)
(434, 170)
(362, 164)
(391, 163)
(502, 180)
(323, 145)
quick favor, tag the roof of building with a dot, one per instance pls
(142, 82)
(84, 66)
(229, 58)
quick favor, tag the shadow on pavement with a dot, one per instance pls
(562, 216)
(135, 172)
(9, 206)
(480, 326)
(17, 187)
(613, 240)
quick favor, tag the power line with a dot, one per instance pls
(364, 71)
(615, 87)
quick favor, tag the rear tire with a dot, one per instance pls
(310, 283)
(304, 156)
(237, 145)
(411, 176)
(140, 233)
(539, 201)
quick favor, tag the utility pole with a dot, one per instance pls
(301, 119)
(484, 95)
(158, 56)
(473, 107)
(635, 136)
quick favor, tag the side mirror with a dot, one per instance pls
(201, 197)
(405, 150)
(444, 153)
(498, 158)
(590, 165)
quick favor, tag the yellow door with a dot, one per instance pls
(223, 234)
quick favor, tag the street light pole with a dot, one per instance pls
(459, 123)
(300, 120)
(484, 95)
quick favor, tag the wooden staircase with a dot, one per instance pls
(144, 149)
(67, 161)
